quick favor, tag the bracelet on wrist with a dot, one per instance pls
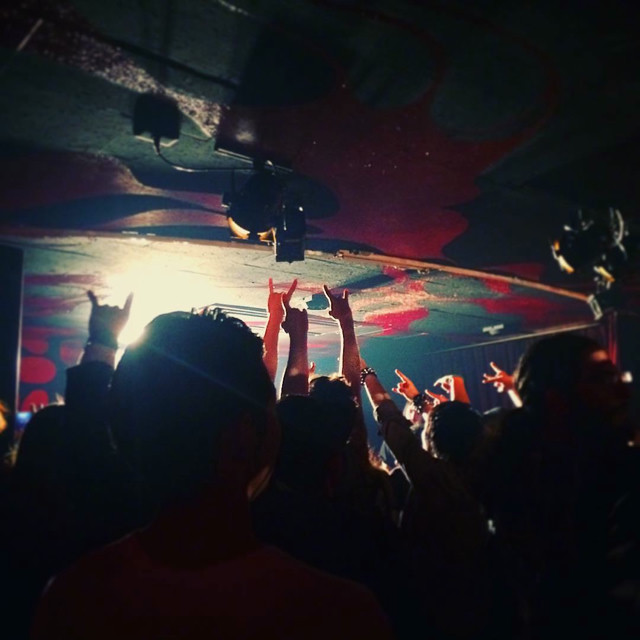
(105, 344)
(418, 401)
(367, 371)
(104, 337)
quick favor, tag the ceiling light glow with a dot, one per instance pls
(156, 290)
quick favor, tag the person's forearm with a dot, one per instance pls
(96, 352)
(459, 391)
(350, 356)
(376, 393)
(296, 375)
(515, 398)
(270, 345)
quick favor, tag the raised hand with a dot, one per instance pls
(275, 301)
(296, 321)
(500, 379)
(405, 387)
(454, 387)
(106, 322)
(338, 305)
(445, 383)
(434, 399)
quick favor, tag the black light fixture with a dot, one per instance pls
(251, 210)
(266, 210)
(594, 241)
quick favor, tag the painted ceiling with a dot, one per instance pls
(437, 147)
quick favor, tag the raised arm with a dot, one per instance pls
(106, 323)
(296, 375)
(502, 382)
(396, 430)
(423, 402)
(340, 310)
(88, 383)
(454, 387)
(275, 310)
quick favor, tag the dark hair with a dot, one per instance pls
(551, 363)
(44, 449)
(309, 440)
(334, 394)
(453, 430)
(174, 389)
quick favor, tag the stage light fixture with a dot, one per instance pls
(252, 210)
(594, 241)
(266, 210)
(263, 210)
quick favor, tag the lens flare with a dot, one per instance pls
(156, 290)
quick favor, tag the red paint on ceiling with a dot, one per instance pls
(37, 347)
(397, 175)
(70, 352)
(36, 370)
(497, 286)
(31, 332)
(41, 306)
(35, 399)
(396, 322)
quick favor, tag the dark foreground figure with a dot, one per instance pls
(192, 410)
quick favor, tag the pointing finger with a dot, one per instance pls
(92, 297)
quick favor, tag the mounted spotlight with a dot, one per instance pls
(251, 211)
(266, 211)
(594, 242)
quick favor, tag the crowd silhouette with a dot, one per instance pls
(180, 495)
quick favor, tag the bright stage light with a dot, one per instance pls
(156, 290)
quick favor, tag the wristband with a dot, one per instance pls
(418, 401)
(367, 371)
(106, 341)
